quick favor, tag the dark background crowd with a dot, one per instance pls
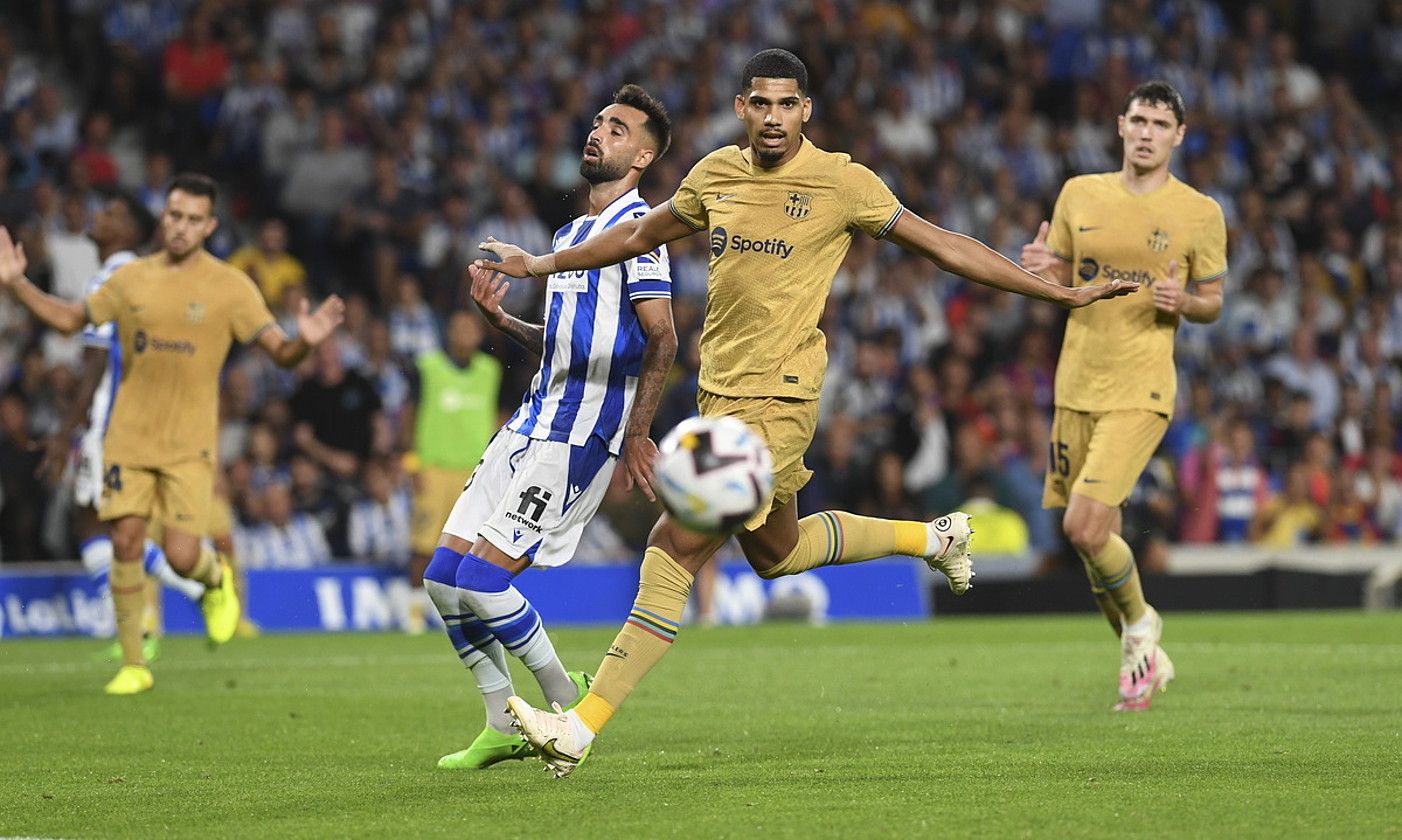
(366, 146)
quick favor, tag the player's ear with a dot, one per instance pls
(1178, 135)
(1120, 125)
(807, 108)
(644, 158)
(211, 225)
(739, 106)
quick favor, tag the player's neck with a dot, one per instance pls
(1142, 182)
(181, 261)
(603, 194)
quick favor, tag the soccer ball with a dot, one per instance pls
(713, 473)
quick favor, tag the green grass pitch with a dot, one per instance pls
(1280, 725)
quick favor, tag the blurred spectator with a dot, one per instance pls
(267, 261)
(1302, 370)
(1291, 518)
(22, 498)
(286, 539)
(413, 329)
(335, 411)
(378, 525)
(324, 180)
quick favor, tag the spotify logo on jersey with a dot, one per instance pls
(718, 238)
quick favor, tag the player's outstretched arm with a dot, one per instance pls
(66, 316)
(488, 288)
(966, 256)
(639, 451)
(623, 241)
(312, 328)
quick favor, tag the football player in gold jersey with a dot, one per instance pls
(781, 215)
(177, 312)
(1116, 380)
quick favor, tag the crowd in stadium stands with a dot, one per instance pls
(366, 146)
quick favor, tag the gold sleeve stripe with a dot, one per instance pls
(1213, 279)
(890, 223)
(684, 220)
(1059, 255)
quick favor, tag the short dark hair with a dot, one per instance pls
(1157, 92)
(658, 125)
(140, 216)
(195, 184)
(774, 64)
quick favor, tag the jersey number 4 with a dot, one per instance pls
(112, 479)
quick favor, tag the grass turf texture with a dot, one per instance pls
(1279, 724)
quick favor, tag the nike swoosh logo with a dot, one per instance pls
(549, 751)
(724, 196)
(1084, 228)
(1091, 480)
(619, 655)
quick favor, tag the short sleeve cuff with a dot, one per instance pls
(672, 205)
(890, 223)
(649, 289)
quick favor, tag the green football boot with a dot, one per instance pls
(582, 681)
(488, 748)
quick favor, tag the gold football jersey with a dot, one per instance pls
(175, 325)
(777, 238)
(1118, 353)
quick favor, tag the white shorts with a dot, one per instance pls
(532, 498)
(87, 478)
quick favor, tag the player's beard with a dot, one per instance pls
(766, 156)
(602, 171)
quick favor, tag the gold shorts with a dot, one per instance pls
(436, 490)
(177, 495)
(1099, 455)
(220, 523)
(787, 426)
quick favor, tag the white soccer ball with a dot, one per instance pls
(713, 473)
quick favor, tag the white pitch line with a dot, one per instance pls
(216, 663)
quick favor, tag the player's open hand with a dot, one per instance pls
(639, 455)
(1086, 295)
(488, 288)
(12, 259)
(1037, 256)
(1168, 292)
(314, 327)
(512, 260)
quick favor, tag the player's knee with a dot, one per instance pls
(1087, 537)
(128, 542)
(182, 555)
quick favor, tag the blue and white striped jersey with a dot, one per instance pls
(105, 338)
(593, 341)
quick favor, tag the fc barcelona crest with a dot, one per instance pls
(194, 312)
(799, 205)
(1158, 241)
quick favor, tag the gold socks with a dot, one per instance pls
(646, 637)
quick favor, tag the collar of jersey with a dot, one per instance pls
(617, 202)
